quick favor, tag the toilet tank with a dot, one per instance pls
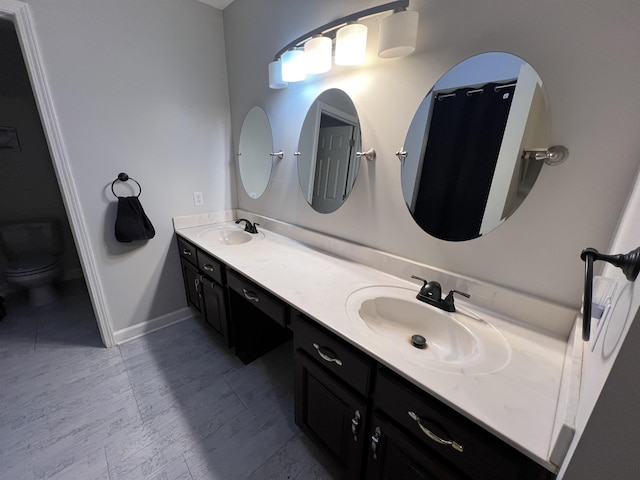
(30, 237)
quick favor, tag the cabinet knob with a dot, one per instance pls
(355, 424)
(375, 441)
(455, 445)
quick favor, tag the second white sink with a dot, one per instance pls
(455, 342)
(226, 235)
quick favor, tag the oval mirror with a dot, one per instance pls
(464, 172)
(254, 152)
(327, 161)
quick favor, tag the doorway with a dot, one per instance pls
(17, 13)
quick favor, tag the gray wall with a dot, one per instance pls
(141, 87)
(584, 51)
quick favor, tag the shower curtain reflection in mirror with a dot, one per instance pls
(464, 138)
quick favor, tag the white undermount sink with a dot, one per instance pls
(461, 342)
(226, 235)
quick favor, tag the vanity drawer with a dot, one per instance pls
(333, 353)
(211, 267)
(259, 297)
(483, 455)
(187, 251)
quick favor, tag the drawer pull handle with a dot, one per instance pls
(186, 252)
(375, 441)
(196, 284)
(207, 267)
(455, 445)
(329, 356)
(355, 424)
(251, 296)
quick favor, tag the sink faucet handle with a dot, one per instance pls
(449, 305)
(459, 293)
(420, 278)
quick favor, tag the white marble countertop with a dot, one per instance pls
(518, 403)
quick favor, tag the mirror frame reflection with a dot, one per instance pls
(255, 161)
(327, 162)
(464, 173)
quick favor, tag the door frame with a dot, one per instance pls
(19, 13)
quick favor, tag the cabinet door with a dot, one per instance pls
(191, 278)
(330, 414)
(215, 310)
(391, 456)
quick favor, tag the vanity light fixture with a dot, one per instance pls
(317, 52)
(397, 35)
(275, 75)
(294, 68)
(351, 44)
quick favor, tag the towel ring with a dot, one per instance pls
(123, 177)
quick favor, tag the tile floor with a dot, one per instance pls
(173, 405)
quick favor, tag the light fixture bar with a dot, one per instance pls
(331, 26)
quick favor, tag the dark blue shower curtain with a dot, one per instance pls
(464, 140)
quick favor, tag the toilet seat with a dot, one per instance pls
(31, 266)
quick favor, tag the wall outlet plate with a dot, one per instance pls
(197, 199)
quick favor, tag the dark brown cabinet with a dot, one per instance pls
(408, 433)
(213, 297)
(443, 434)
(332, 383)
(204, 286)
(249, 318)
(191, 278)
(392, 455)
(330, 413)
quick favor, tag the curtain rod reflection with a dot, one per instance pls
(497, 88)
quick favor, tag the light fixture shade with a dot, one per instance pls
(275, 75)
(317, 53)
(351, 44)
(398, 34)
(294, 68)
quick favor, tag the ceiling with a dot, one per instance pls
(220, 4)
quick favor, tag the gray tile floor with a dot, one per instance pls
(172, 405)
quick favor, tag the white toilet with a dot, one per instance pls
(32, 250)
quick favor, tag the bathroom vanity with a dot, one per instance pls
(382, 410)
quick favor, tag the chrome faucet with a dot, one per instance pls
(431, 293)
(248, 227)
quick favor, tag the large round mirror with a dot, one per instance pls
(327, 161)
(464, 172)
(254, 153)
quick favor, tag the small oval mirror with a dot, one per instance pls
(254, 153)
(464, 173)
(327, 161)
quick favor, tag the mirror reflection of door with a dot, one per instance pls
(327, 160)
(336, 143)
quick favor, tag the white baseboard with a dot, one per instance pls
(140, 329)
